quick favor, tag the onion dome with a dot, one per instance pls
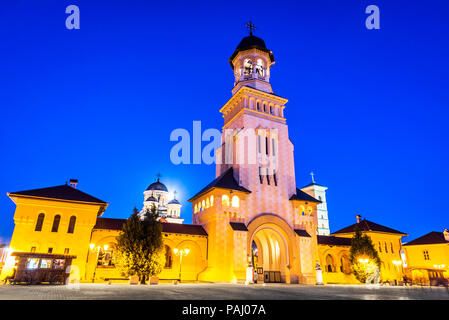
(174, 201)
(152, 199)
(251, 42)
(159, 186)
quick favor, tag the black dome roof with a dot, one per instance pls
(157, 186)
(251, 42)
(174, 201)
(151, 198)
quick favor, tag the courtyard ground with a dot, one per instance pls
(219, 292)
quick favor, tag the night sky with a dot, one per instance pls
(368, 110)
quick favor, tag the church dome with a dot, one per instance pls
(174, 201)
(159, 186)
(251, 42)
(152, 199)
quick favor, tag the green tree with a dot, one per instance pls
(140, 246)
(361, 249)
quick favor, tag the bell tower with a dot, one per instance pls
(251, 63)
(253, 200)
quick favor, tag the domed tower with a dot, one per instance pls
(251, 63)
(174, 211)
(156, 194)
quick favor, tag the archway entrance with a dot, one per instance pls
(270, 254)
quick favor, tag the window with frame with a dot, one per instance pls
(72, 222)
(426, 255)
(32, 263)
(56, 221)
(40, 222)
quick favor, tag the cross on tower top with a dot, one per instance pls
(174, 194)
(158, 176)
(251, 27)
(312, 174)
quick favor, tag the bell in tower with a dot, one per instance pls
(251, 63)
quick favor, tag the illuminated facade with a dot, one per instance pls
(251, 215)
(428, 258)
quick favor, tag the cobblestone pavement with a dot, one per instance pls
(219, 292)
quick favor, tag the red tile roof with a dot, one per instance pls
(117, 224)
(366, 225)
(238, 226)
(63, 192)
(333, 241)
(225, 181)
(433, 237)
(302, 196)
(302, 233)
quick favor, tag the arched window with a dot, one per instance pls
(302, 210)
(330, 266)
(259, 68)
(40, 222)
(195, 209)
(56, 221)
(203, 204)
(235, 201)
(211, 200)
(72, 224)
(258, 106)
(386, 248)
(391, 247)
(380, 247)
(271, 110)
(247, 67)
(207, 203)
(225, 200)
(168, 257)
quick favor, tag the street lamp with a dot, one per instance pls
(364, 261)
(397, 263)
(180, 253)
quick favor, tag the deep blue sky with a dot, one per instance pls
(368, 110)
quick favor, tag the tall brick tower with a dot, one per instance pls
(256, 216)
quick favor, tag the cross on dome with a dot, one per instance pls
(251, 27)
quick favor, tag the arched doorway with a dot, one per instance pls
(269, 251)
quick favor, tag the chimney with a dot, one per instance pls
(446, 234)
(73, 183)
(359, 218)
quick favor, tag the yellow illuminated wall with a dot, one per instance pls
(25, 238)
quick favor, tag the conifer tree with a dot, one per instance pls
(139, 246)
(362, 248)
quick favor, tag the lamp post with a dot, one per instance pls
(364, 262)
(180, 253)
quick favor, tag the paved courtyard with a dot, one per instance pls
(219, 292)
